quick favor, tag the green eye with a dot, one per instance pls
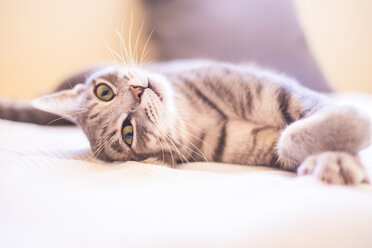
(128, 134)
(104, 92)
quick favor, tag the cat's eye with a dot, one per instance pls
(104, 92)
(127, 133)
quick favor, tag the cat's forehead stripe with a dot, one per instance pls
(115, 79)
(112, 78)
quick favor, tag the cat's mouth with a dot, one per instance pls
(152, 87)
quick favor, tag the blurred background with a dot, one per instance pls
(325, 44)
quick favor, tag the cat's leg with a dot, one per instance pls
(326, 144)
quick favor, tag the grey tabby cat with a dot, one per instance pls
(185, 111)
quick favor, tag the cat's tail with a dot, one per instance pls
(22, 111)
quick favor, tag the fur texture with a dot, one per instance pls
(211, 111)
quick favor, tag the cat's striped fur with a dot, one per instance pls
(211, 111)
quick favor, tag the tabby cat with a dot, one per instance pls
(183, 111)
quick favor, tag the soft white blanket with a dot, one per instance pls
(53, 195)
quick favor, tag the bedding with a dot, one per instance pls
(53, 193)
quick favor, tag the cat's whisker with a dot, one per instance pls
(94, 152)
(169, 148)
(113, 53)
(175, 147)
(172, 141)
(99, 144)
(184, 147)
(125, 60)
(137, 40)
(187, 132)
(102, 145)
(121, 43)
(129, 55)
(178, 127)
(55, 120)
(69, 83)
(197, 152)
(181, 146)
(145, 46)
(147, 59)
(160, 143)
(62, 117)
(130, 38)
(120, 56)
(164, 134)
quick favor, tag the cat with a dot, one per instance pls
(196, 110)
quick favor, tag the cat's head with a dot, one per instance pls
(123, 112)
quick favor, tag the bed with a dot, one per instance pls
(53, 193)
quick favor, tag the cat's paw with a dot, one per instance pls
(334, 168)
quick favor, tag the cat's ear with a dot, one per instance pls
(65, 103)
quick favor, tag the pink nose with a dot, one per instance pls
(137, 91)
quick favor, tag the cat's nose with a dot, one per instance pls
(137, 91)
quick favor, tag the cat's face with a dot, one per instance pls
(123, 111)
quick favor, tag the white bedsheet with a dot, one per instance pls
(52, 195)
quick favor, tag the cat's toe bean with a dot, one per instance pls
(334, 168)
(307, 167)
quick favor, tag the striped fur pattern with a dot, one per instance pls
(17, 110)
(212, 111)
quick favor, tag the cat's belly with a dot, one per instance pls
(234, 141)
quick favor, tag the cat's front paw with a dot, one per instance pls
(334, 168)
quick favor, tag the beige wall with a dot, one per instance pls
(43, 41)
(339, 33)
